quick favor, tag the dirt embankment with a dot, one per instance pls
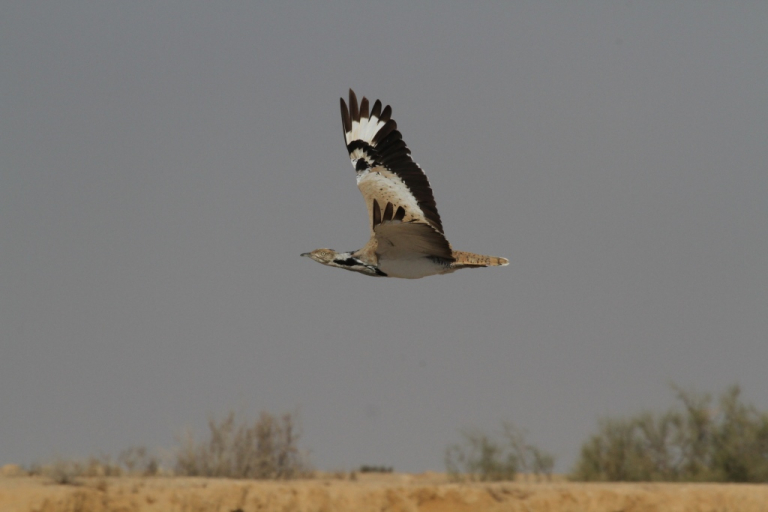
(395, 493)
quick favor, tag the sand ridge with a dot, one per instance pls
(369, 493)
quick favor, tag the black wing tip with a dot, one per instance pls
(346, 121)
(358, 110)
(376, 110)
(354, 112)
(386, 114)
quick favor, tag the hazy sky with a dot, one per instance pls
(163, 165)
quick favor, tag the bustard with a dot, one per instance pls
(407, 237)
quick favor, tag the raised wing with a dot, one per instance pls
(386, 174)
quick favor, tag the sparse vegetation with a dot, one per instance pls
(138, 460)
(63, 472)
(695, 442)
(265, 449)
(487, 457)
(67, 471)
(701, 439)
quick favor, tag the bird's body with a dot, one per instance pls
(407, 239)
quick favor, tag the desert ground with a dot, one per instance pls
(368, 492)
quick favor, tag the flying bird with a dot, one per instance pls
(407, 239)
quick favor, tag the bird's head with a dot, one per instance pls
(324, 256)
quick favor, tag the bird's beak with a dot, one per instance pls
(305, 254)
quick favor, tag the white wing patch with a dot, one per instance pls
(365, 129)
(360, 175)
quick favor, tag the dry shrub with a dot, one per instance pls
(488, 457)
(132, 461)
(695, 442)
(67, 471)
(137, 460)
(265, 449)
(101, 466)
(63, 471)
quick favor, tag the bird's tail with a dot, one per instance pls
(471, 260)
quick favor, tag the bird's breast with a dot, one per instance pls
(412, 268)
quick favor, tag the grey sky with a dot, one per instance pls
(164, 164)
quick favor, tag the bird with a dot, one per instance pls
(407, 239)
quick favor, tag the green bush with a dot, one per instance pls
(695, 442)
(487, 457)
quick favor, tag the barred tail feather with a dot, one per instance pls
(471, 260)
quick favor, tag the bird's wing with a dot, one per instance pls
(386, 174)
(396, 238)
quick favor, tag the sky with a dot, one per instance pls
(164, 164)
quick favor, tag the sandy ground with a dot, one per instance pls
(370, 492)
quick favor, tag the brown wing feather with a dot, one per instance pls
(388, 211)
(403, 240)
(376, 216)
